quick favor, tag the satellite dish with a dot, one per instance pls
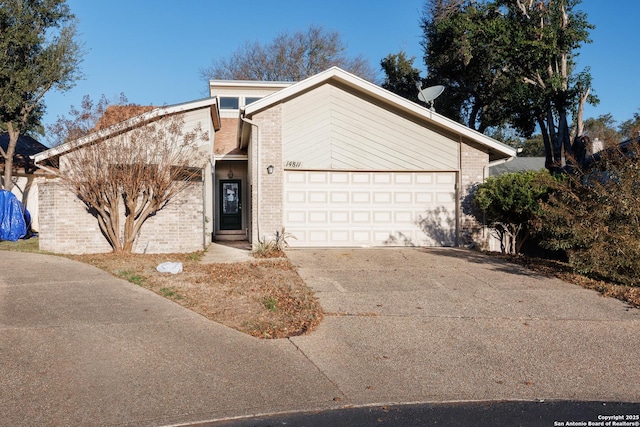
(429, 94)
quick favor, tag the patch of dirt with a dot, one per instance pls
(264, 298)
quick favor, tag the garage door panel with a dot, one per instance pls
(319, 237)
(340, 217)
(340, 236)
(445, 198)
(445, 178)
(318, 177)
(403, 179)
(361, 197)
(318, 197)
(294, 177)
(382, 197)
(340, 197)
(382, 178)
(361, 237)
(296, 217)
(361, 216)
(425, 198)
(403, 217)
(318, 217)
(424, 179)
(296, 197)
(382, 217)
(360, 178)
(325, 208)
(402, 197)
(339, 178)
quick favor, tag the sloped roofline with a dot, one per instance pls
(253, 84)
(131, 123)
(383, 95)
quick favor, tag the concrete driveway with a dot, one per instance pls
(80, 347)
(451, 324)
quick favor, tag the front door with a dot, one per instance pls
(230, 205)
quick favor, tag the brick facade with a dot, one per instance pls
(474, 162)
(67, 227)
(267, 189)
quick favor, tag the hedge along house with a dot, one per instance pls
(183, 225)
(338, 161)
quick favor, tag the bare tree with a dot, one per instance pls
(289, 57)
(84, 120)
(133, 174)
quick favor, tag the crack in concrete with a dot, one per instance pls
(342, 396)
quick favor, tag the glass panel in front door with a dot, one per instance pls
(230, 205)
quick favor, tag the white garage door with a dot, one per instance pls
(370, 208)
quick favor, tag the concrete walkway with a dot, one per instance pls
(79, 347)
(227, 252)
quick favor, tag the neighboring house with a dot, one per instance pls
(517, 164)
(25, 173)
(334, 159)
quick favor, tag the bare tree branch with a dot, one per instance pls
(134, 174)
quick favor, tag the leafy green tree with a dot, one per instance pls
(510, 61)
(546, 36)
(509, 204)
(401, 77)
(532, 147)
(289, 57)
(38, 53)
(465, 44)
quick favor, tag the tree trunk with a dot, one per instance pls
(579, 116)
(14, 134)
(473, 116)
(563, 134)
(548, 158)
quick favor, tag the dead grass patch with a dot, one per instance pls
(263, 298)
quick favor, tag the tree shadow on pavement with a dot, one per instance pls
(494, 262)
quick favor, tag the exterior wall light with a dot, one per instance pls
(270, 169)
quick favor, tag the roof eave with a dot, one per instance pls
(131, 123)
(497, 150)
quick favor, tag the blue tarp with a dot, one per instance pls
(13, 225)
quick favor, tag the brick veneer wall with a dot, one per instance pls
(474, 161)
(267, 197)
(67, 227)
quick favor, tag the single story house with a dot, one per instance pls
(334, 160)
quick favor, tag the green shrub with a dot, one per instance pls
(509, 204)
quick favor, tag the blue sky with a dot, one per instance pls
(153, 50)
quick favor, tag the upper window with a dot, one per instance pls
(248, 100)
(229, 102)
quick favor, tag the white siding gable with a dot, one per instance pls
(331, 128)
